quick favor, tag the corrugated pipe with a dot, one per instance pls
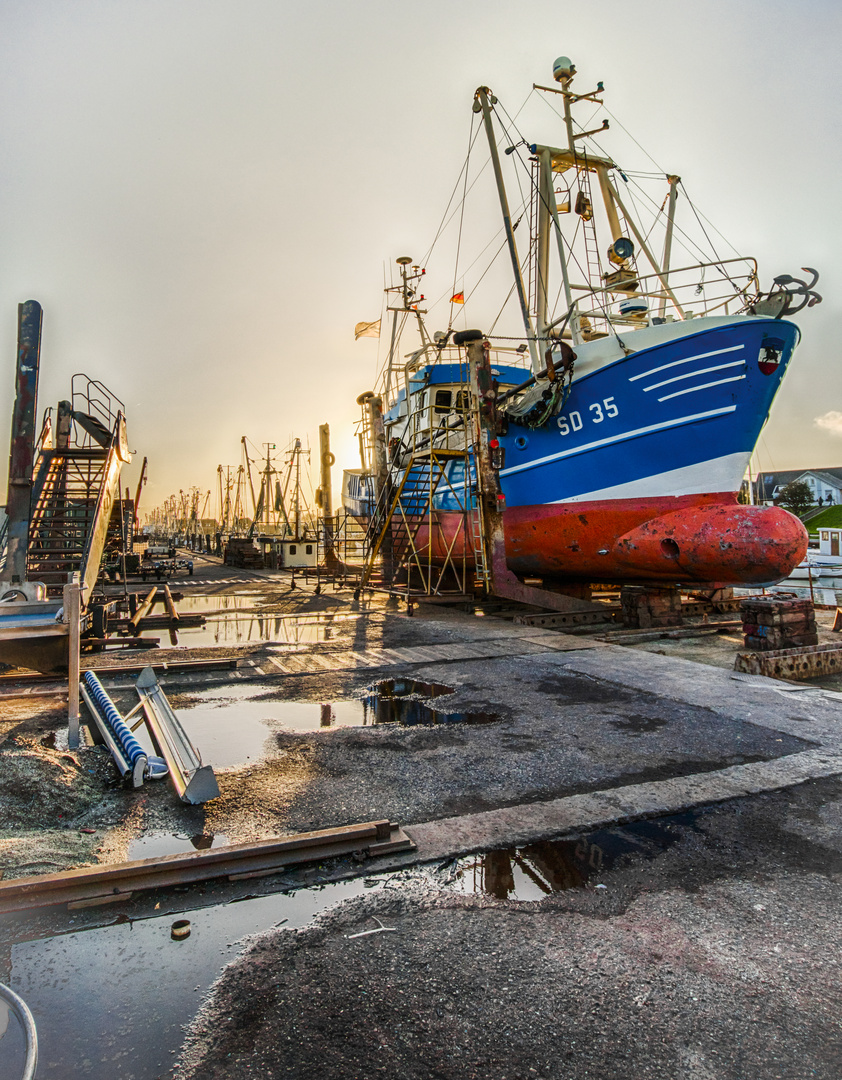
(135, 756)
(27, 1022)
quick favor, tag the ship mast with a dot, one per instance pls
(410, 274)
(482, 103)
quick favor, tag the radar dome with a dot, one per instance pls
(563, 68)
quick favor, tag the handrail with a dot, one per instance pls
(611, 293)
(109, 491)
(94, 398)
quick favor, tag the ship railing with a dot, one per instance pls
(511, 356)
(724, 287)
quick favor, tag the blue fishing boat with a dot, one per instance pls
(624, 418)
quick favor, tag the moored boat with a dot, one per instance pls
(623, 419)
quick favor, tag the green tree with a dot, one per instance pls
(796, 497)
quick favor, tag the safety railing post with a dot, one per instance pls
(72, 616)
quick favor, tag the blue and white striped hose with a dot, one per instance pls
(131, 748)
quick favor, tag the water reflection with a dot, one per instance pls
(256, 628)
(111, 1003)
(156, 845)
(233, 724)
(406, 701)
(538, 870)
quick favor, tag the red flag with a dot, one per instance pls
(458, 298)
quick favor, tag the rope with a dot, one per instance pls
(461, 223)
(444, 223)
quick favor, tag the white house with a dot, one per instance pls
(825, 484)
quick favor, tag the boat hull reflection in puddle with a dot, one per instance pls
(229, 727)
(405, 701)
(538, 870)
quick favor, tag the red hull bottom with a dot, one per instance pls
(691, 539)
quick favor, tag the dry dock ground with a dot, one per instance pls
(628, 863)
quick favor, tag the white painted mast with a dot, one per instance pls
(673, 182)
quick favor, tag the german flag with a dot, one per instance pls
(458, 298)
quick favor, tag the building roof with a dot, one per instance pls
(828, 477)
(767, 482)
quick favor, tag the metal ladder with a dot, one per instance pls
(64, 513)
(594, 263)
(76, 490)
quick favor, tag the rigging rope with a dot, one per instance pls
(472, 138)
(461, 223)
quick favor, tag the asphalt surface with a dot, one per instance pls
(705, 947)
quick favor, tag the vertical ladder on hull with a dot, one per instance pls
(476, 529)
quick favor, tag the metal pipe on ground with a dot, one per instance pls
(168, 600)
(144, 607)
(193, 782)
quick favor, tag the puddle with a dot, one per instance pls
(158, 845)
(538, 870)
(229, 727)
(221, 602)
(256, 628)
(404, 701)
(111, 1002)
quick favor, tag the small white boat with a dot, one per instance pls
(815, 569)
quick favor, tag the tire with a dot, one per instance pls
(99, 621)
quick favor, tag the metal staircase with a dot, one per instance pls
(75, 494)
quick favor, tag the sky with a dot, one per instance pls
(206, 195)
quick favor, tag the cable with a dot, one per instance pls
(472, 138)
(27, 1022)
(461, 223)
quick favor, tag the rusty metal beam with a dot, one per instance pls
(22, 449)
(104, 884)
(28, 678)
(810, 662)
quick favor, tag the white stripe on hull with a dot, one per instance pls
(622, 437)
(718, 474)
